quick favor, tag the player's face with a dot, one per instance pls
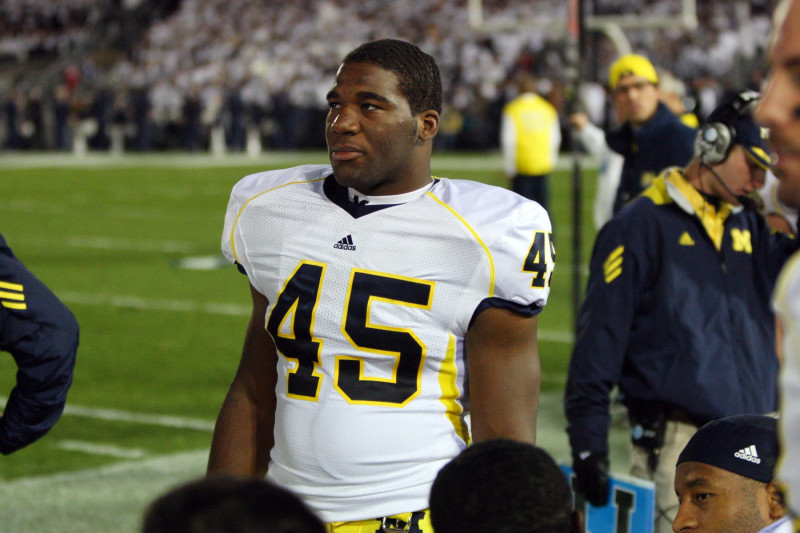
(779, 106)
(713, 500)
(370, 131)
(741, 174)
(636, 99)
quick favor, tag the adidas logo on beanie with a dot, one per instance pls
(744, 444)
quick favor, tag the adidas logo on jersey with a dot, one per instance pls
(749, 454)
(345, 244)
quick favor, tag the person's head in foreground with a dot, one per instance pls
(229, 505)
(779, 109)
(384, 113)
(502, 486)
(724, 477)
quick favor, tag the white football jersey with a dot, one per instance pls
(369, 307)
(786, 301)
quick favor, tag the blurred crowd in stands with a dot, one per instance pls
(237, 74)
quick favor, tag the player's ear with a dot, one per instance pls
(776, 504)
(427, 125)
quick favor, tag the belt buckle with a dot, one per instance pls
(394, 528)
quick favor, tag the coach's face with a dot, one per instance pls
(779, 109)
(376, 145)
(740, 173)
(635, 99)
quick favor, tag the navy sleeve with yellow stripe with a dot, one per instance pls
(619, 269)
(41, 334)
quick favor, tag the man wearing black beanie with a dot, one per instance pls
(724, 479)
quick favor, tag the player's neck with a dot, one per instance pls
(388, 199)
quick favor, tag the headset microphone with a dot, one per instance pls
(746, 201)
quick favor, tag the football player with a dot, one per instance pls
(376, 289)
(780, 112)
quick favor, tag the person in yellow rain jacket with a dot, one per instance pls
(530, 136)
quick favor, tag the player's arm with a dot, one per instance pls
(505, 375)
(41, 334)
(243, 435)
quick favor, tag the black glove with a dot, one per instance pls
(591, 476)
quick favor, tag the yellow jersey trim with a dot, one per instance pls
(477, 238)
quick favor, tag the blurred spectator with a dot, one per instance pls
(192, 139)
(593, 140)
(235, 119)
(673, 94)
(282, 47)
(651, 137)
(61, 110)
(14, 106)
(530, 138)
(140, 102)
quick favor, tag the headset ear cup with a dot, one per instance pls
(713, 143)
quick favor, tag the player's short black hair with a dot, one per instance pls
(233, 505)
(416, 70)
(501, 486)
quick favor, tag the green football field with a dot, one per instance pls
(131, 245)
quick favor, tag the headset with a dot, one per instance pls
(715, 140)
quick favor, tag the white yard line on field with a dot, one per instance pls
(491, 160)
(153, 304)
(96, 242)
(94, 448)
(186, 306)
(118, 415)
(116, 243)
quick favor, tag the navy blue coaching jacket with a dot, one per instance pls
(663, 141)
(42, 336)
(677, 313)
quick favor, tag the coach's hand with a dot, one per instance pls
(591, 473)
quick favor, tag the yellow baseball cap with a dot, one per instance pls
(631, 64)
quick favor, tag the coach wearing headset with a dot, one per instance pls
(677, 312)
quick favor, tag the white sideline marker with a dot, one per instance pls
(116, 415)
(100, 449)
(186, 306)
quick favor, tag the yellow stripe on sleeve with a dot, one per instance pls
(11, 286)
(12, 296)
(612, 267)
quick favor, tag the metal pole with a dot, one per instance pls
(574, 45)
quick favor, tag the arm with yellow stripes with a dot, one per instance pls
(41, 334)
(616, 283)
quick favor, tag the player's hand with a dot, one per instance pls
(591, 473)
(578, 120)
